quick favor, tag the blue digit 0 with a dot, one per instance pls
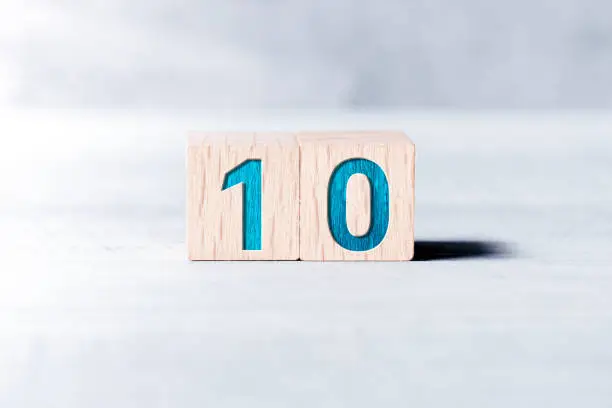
(249, 174)
(379, 204)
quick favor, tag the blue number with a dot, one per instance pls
(248, 173)
(379, 204)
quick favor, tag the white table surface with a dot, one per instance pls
(100, 308)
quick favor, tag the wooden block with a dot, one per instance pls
(243, 196)
(357, 196)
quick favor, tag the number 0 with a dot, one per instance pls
(248, 173)
(379, 204)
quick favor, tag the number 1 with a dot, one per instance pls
(249, 174)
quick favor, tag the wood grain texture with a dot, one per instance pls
(214, 216)
(320, 154)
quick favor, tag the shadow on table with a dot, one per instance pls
(443, 250)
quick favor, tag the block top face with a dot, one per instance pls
(242, 138)
(355, 137)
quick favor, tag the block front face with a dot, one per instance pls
(357, 196)
(243, 196)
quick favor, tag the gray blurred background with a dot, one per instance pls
(521, 54)
(507, 103)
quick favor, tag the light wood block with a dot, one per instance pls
(321, 156)
(215, 214)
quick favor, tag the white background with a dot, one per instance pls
(510, 305)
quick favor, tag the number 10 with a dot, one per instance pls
(249, 174)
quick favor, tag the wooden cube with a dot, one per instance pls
(243, 196)
(357, 196)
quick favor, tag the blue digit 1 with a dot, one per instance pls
(379, 204)
(248, 173)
